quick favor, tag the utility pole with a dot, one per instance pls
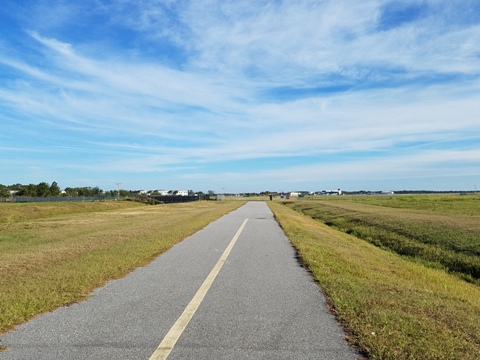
(118, 191)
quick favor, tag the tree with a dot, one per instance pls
(124, 193)
(70, 191)
(83, 191)
(96, 191)
(29, 190)
(43, 189)
(16, 187)
(55, 189)
(4, 192)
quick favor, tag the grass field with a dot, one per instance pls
(440, 231)
(392, 307)
(53, 254)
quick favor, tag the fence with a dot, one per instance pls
(168, 199)
(158, 198)
(23, 199)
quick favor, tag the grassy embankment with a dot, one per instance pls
(439, 231)
(54, 254)
(392, 307)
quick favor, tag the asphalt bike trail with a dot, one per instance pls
(233, 290)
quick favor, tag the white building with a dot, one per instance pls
(333, 192)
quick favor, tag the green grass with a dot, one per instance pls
(391, 307)
(56, 254)
(451, 204)
(440, 231)
(14, 212)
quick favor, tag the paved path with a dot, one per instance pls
(261, 304)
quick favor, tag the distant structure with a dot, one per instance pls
(332, 192)
(174, 192)
(299, 194)
(175, 196)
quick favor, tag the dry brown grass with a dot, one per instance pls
(52, 256)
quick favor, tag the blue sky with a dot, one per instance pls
(241, 96)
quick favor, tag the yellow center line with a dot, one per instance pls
(169, 341)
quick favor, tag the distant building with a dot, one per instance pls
(299, 193)
(175, 192)
(333, 192)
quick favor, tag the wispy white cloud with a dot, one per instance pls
(184, 88)
(438, 167)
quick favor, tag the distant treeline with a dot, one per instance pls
(45, 189)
